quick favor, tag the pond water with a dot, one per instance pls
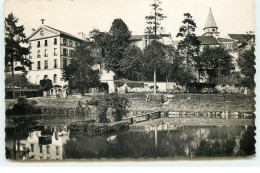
(47, 142)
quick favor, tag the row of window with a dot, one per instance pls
(66, 52)
(69, 43)
(45, 64)
(65, 43)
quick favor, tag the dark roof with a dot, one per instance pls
(225, 40)
(136, 37)
(241, 37)
(208, 40)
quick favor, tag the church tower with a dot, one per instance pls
(210, 28)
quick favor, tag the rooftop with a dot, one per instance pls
(208, 40)
(241, 37)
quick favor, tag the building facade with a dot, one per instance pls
(50, 52)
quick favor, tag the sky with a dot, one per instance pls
(73, 16)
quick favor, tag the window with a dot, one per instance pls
(55, 41)
(30, 45)
(45, 43)
(54, 78)
(39, 65)
(77, 44)
(213, 30)
(40, 148)
(32, 147)
(71, 52)
(30, 67)
(65, 62)
(45, 53)
(46, 64)
(55, 63)
(65, 42)
(55, 52)
(48, 149)
(39, 44)
(57, 150)
(65, 52)
(38, 54)
(70, 43)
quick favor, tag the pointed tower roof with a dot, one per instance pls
(210, 23)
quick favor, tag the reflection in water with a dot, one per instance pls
(55, 142)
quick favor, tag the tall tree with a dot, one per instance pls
(189, 46)
(80, 72)
(216, 61)
(155, 58)
(153, 20)
(246, 62)
(118, 41)
(14, 52)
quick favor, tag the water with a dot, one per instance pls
(48, 142)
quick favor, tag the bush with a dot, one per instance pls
(114, 101)
(119, 83)
(23, 106)
(135, 85)
(46, 84)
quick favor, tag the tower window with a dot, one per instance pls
(213, 30)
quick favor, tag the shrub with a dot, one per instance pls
(119, 83)
(135, 85)
(23, 106)
(114, 101)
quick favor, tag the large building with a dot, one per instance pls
(50, 51)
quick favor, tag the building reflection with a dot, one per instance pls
(45, 144)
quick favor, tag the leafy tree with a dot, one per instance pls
(155, 58)
(216, 61)
(154, 20)
(131, 63)
(14, 36)
(118, 41)
(246, 62)
(80, 73)
(114, 101)
(189, 46)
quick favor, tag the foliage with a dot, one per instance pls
(118, 42)
(114, 101)
(154, 20)
(155, 58)
(23, 106)
(119, 83)
(46, 84)
(135, 85)
(189, 46)
(215, 61)
(246, 62)
(14, 36)
(19, 80)
(80, 73)
(131, 63)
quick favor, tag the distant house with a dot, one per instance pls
(142, 41)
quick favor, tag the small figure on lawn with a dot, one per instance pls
(148, 98)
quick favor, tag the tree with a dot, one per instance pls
(155, 58)
(216, 61)
(154, 20)
(189, 46)
(80, 73)
(131, 63)
(246, 62)
(14, 36)
(118, 41)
